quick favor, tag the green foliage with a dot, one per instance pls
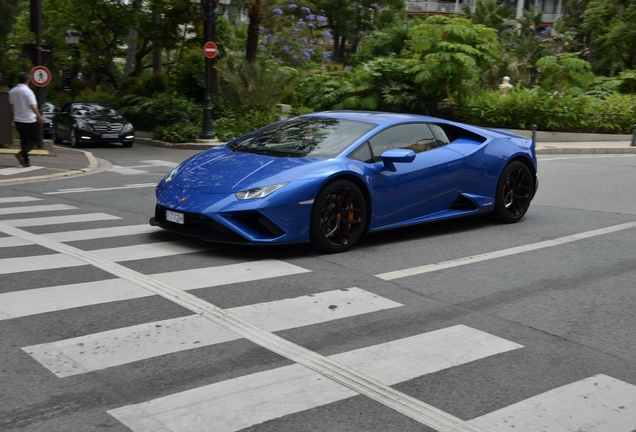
(255, 86)
(611, 26)
(451, 49)
(161, 113)
(564, 71)
(490, 13)
(177, 133)
(521, 109)
(232, 125)
(384, 84)
(98, 95)
(389, 42)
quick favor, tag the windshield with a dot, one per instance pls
(303, 137)
(92, 110)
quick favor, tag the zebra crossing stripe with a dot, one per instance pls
(35, 209)
(18, 199)
(17, 304)
(328, 368)
(118, 254)
(596, 404)
(248, 400)
(57, 220)
(126, 345)
(89, 234)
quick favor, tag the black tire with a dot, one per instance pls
(73, 139)
(128, 143)
(515, 190)
(56, 137)
(338, 217)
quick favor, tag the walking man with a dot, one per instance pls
(26, 117)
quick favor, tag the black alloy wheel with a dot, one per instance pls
(515, 191)
(338, 217)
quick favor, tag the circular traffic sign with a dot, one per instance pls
(40, 76)
(210, 49)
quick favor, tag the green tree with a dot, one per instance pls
(451, 50)
(610, 24)
(564, 71)
(490, 13)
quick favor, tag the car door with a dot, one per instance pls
(426, 185)
(63, 122)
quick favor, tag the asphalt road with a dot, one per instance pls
(466, 325)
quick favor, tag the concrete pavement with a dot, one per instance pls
(59, 161)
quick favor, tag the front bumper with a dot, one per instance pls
(87, 135)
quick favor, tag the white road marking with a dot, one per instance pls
(18, 199)
(596, 404)
(17, 304)
(161, 163)
(126, 171)
(81, 190)
(35, 209)
(325, 366)
(56, 220)
(596, 156)
(18, 170)
(89, 234)
(503, 253)
(245, 401)
(118, 254)
(125, 345)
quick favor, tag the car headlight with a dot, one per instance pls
(82, 125)
(167, 179)
(128, 126)
(260, 192)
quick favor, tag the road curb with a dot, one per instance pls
(616, 150)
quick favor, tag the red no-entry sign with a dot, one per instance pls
(210, 49)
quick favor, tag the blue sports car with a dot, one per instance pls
(329, 177)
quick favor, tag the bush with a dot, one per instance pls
(550, 111)
(177, 133)
(233, 125)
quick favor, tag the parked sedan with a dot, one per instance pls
(48, 112)
(89, 122)
(328, 178)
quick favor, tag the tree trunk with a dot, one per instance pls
(157, 50)
(251, 45)
(130, 51)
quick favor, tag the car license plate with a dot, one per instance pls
(110, 136)
(174, 217)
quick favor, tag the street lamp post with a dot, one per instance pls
(72, 38)
(209, 20)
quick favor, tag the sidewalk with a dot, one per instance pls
(61, 161)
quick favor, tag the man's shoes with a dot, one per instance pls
(22, 161)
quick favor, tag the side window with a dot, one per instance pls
(415, 136)
(362, 153)
(440, 135)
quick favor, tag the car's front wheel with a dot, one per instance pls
(74, 140)
(338, 217)
(515, 190)
(56, 136)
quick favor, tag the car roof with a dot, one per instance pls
(375, 116)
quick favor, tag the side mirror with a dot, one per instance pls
(393, 156)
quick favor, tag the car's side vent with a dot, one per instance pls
(464, 203)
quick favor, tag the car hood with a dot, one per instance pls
(224, 171)
(101, 119)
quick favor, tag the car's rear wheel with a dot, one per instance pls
(515, 190)
(338, 217)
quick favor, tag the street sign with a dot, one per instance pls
(210, 49)
(40, 76)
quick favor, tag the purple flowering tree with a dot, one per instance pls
(294, 36)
